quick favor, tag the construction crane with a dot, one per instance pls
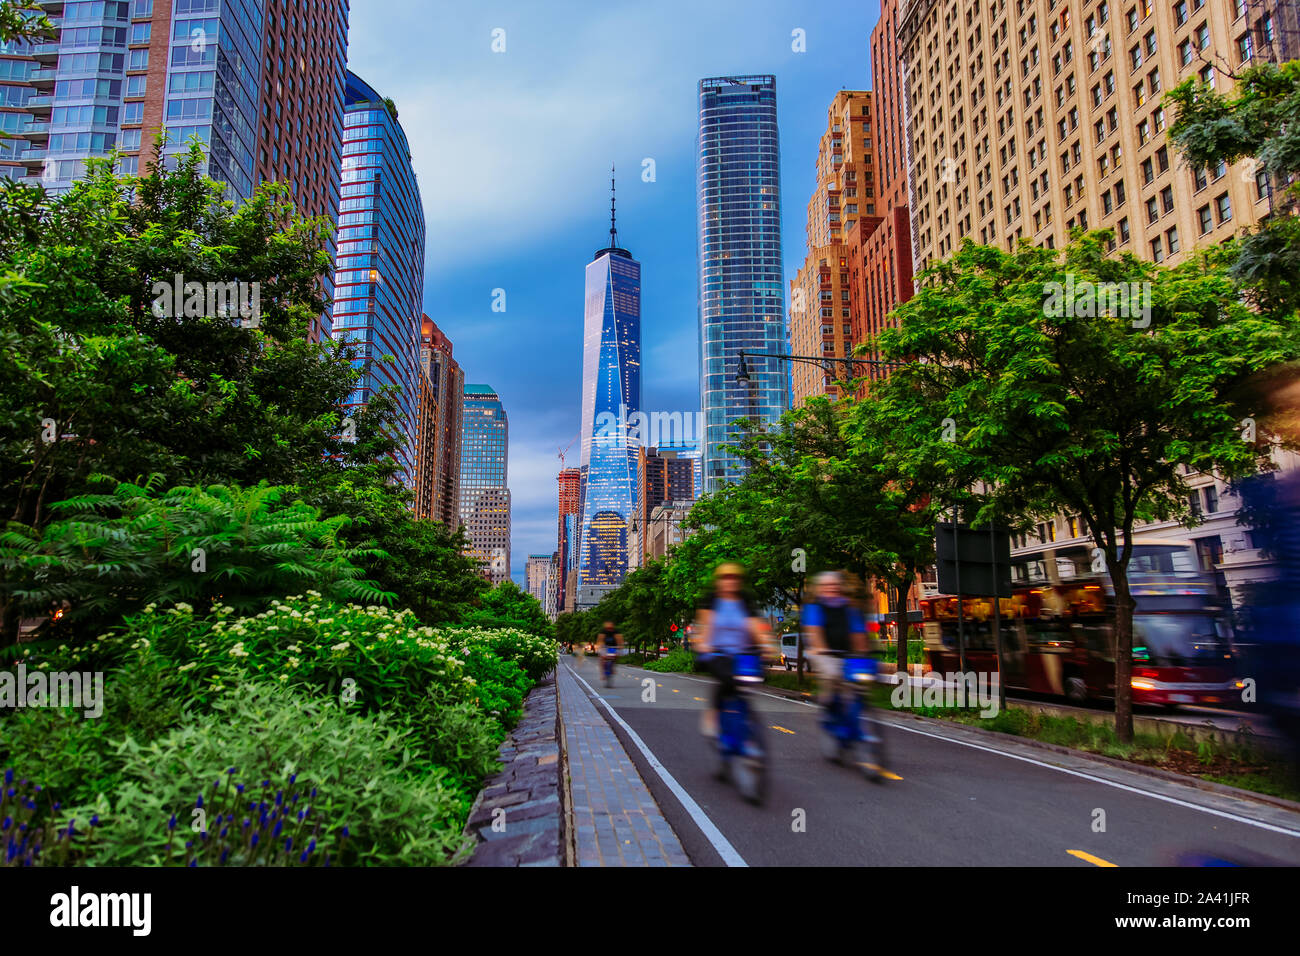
(565, 450)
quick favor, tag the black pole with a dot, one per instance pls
(997, 616)
(961, 617)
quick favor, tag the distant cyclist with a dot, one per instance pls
(726, 624)
(833, 629)
(608, 642)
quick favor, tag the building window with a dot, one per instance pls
(1209, 552)
(1223, 206)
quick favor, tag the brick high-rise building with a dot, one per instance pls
(880, 248)
(568, 531)
(441, 421)
(821, 305)
(1028, 117)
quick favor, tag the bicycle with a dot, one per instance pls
(847, 724)
(743, 758)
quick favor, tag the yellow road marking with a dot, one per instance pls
(698, 698)
(887, 774)
(676, 691)
(782, 729)
(1088, 857)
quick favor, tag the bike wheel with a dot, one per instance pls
(832, 750)
(751, 778)
(873, 750)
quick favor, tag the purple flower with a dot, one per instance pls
(199, 803)
(171, 824)
(94, 821)
(255, 838)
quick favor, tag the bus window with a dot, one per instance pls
(1177, 640)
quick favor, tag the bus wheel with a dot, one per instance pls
(1076, 689)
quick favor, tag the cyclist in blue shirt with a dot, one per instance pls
(726, 625)
(833, 629)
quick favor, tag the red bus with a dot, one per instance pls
(1058, 635)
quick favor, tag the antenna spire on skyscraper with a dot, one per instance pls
(613, 229)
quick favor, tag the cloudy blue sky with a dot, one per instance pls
(513, 151)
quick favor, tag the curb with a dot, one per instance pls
(568, 831)
(1222, 789)
(518, 816)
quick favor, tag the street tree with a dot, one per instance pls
(1082, 382)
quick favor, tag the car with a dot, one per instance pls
(790, 653)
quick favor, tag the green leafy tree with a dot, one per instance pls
(508, 605)
(1256, 121)
(110, 555)
(100, 377)
(1058, 408)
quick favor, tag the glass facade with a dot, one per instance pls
(611, 393)
(87, 90)
(742, 285)
(213, 79)
(379, 277)
(484, 497)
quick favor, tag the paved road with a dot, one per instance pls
(980, 802)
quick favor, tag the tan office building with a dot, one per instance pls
(1025, 118)
(821, 305)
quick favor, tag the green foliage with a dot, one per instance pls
(1255, 122)
(361, 765)
(94, 382)
(507, 605)
(109, 555)
(676, 660)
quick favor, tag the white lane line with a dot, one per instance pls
(1110, 783)
(693, 809)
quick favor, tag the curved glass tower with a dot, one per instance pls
(742, 286)
(611, 392)
(379, 282)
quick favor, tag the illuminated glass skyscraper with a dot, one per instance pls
(611, 392)
(742, 286)
(379, 280)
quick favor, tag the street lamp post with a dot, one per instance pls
(826, 362)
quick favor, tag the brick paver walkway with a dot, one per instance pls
(616, 821)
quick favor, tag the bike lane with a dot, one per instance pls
(953, 803)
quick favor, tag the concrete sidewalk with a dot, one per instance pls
(616, 821)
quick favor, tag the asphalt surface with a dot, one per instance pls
(979, 802)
